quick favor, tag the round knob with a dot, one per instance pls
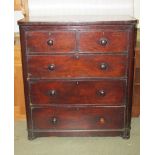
(103, 41)
(101, 92)
(102, 120)
(50, 42)
(51, 67)
(52, 92)
(54, 120)
(103, 66)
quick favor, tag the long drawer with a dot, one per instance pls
(78, 118)
(106, 92)
(78, 65)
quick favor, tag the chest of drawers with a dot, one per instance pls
(78, 76)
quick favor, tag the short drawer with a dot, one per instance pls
(103, 41)
(67, 66)
(106, 92)
(77, 118)
(47, 41)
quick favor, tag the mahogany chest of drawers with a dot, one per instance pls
(78, 76)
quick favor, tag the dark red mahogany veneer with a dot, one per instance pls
(78, 76)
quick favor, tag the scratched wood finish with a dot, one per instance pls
(78, 118)
(62, 41)
(67, 66)
(78, 61)
(116, 41)
(78, 92)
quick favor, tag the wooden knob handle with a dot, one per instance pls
(54, 120)
(52, 92)
(51, 67)
(50, 42)
(103, 41)
(103, 66)
(101, 93)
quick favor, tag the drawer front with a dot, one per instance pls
(51, 41)
(103, 41)
(78, 118)
(108, 92)
(66, 66)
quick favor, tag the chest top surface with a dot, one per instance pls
(77, 20)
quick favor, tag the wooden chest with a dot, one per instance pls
(78, 76)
